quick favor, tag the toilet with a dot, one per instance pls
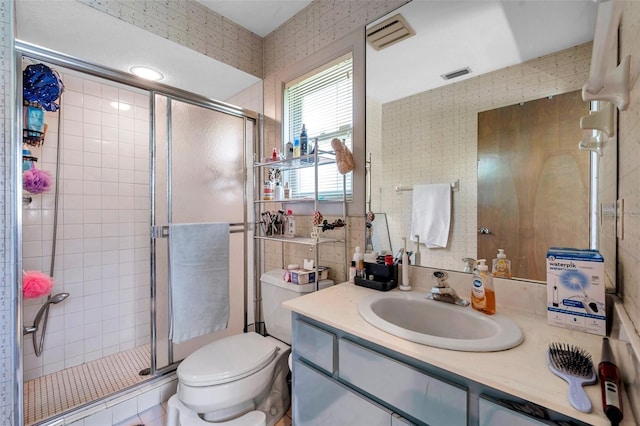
(241, 380)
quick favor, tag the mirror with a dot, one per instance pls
(423, 129)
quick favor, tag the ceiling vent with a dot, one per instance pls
(388, 32)
(456, 74)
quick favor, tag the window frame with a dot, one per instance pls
(353, 42)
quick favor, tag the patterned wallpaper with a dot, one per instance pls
(192, 25)
(629, 168)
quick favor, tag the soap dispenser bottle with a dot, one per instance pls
(501, 265)
(483, 297)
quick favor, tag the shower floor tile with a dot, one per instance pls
(58, 392)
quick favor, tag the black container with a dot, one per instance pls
(378, 277)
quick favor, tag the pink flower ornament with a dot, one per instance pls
(36, 284)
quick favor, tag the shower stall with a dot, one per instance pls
(126, 160)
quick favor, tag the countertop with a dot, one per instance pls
(521, 371)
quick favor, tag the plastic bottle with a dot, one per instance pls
(278, 192)
(304, 145)
(483, 297)
(287, 191)
(274, 154)
(296, 148)
(288, 151)
(352, 271)
(291, 225)
(501, 265)
(358, 258)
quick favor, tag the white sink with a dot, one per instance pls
(413, 317)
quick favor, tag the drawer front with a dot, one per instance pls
(315, 345)
(417, 394)
(492, 414)
(321, 401)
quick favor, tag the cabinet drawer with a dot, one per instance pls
(492, 414)
(415, 393)
(315, 345)
(321, 401)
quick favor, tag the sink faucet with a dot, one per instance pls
(442, 292)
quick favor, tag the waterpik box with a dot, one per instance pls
(575, 290)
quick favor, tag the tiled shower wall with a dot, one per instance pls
(102, 252)
(7, 194)
(431, 137)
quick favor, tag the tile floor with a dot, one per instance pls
(55, 393)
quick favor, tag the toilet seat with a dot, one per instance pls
(226, 360)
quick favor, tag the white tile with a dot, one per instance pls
(92, 131)
(109, 133)
(126, 409)
(92, 159)
(92, 102)
(92, 88)
(149, 399)
(109, 120)
(109, 92)
(92, 117)
(101, 418)
(73, 97)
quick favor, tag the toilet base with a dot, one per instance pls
(179, 415)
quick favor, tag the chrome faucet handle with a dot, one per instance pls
(442, 292)
(440, 278)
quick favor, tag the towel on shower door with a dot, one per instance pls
(431, 214)
(199, 274)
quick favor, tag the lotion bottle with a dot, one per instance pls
(501, 265)
(483, 297)
(291, 225)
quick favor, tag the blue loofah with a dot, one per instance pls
(41, 85)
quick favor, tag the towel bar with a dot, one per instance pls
(163, 231)
(455, 186)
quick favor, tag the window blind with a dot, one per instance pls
(323, 102)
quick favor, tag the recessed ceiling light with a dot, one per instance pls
(147, 73)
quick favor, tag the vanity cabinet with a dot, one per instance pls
(492, 414)
(341, 379)
(322, 400)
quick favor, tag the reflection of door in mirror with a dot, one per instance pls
(533, 182)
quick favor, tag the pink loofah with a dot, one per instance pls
(36, 181)
(36, 284)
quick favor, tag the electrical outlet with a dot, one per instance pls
(620, 219)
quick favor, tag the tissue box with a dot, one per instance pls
(303, 276)
(575, 290)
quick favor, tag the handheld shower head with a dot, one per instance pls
(58, 298)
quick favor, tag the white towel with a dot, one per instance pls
(431, 214)
(199, 286)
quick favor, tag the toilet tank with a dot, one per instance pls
(275, 291)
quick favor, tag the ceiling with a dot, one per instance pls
(259, 16)
(484, 35)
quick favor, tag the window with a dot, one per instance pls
(323, 102)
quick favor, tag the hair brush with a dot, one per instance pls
(573, 364)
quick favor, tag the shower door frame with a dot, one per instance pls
(30, 51)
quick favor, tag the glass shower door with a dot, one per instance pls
(199, 166)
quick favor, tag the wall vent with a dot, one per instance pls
(388, 32)
(456, 74)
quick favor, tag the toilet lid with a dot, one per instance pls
(226, 360)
